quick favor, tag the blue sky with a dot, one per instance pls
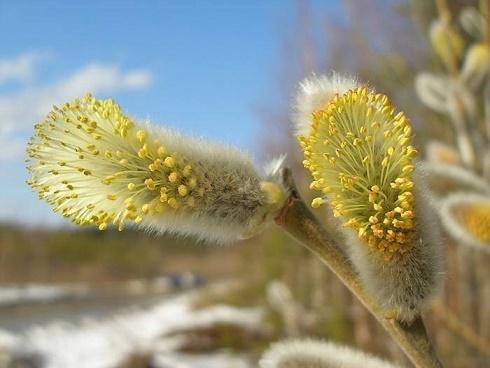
(199, 66)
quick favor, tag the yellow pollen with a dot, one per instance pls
(172, 202)
(317, 202)
(141, 136)
(192, 183)
(173, 177)
(169, 162)
(186, 171)
(143, 151)
(150, 184)
(157, 164)
(182, 189)
(475, 218)
(126, 173)
(359, 154)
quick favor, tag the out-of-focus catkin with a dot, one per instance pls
(466, 217)
(317, 354)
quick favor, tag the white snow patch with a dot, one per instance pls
(105, 343)
(7, 340)
(36, 293)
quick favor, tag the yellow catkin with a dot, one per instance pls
(96, 166)
(475, 219)
(359, 154)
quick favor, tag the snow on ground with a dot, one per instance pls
(105, 343)
(7, 341)
(35, 293)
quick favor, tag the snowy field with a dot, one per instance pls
(36, 293)
(107, 339)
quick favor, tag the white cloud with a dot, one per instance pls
(19, 68)
(138, 79)
(99, 78)
(19, 111)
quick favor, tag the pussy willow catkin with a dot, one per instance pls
(466, 217)
(96, 166)
(371, 183)
(308, 353)
(358, 150)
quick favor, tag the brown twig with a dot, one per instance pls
(485, 13)
(298, 221)
(443, 10)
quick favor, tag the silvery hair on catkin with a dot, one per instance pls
(318, 354)
(237, 202)
(404, 286)
(97, 166)
(313, 93)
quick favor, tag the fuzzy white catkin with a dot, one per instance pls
(466, 217)
(97, 166)
(461, 102)
(440, 152)
(446, 41)
(433, 91)
(318, 354)
(312, 95)
(281, 300)
(443, 179)
(472, 22)
(238, 202)
(358, 150)
(476, 65)
(404, 288)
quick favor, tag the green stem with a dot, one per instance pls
(299, 221)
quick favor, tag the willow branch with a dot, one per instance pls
(485, 12)
(298, 221)
(443, 10)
